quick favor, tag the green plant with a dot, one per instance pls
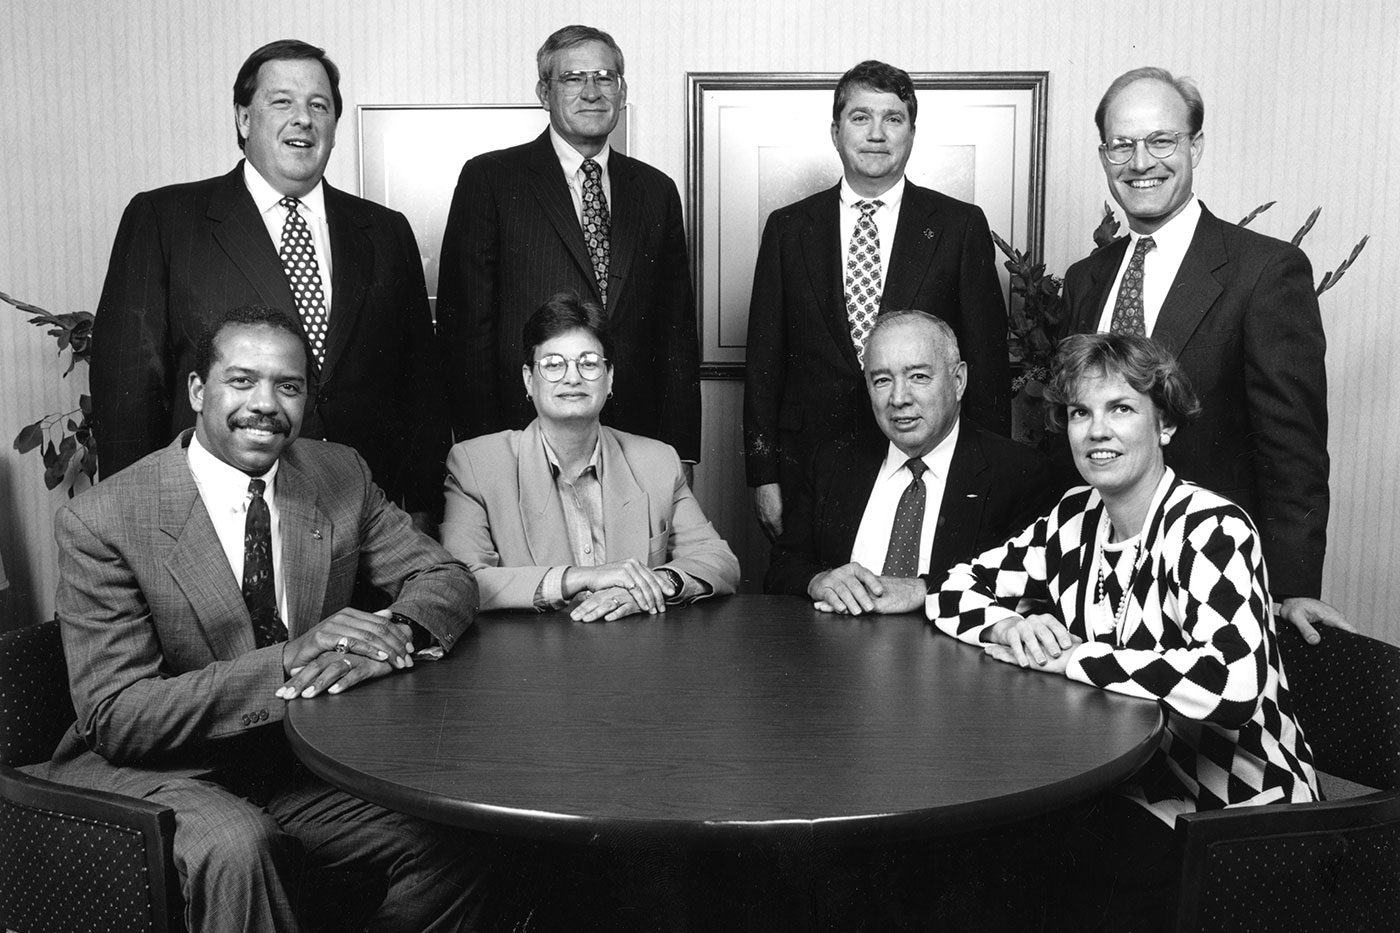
(64, 439)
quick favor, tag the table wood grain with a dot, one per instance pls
(719, 723)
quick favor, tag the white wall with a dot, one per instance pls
(100, 100)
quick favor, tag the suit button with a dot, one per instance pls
(243, 719)
(262, 715)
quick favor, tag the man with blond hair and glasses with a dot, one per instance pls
(566, 212)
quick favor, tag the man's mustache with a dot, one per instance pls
(273, 424)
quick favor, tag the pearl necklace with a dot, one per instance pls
(1120, 613)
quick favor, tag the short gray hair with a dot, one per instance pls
(947, 340)
(567, 38)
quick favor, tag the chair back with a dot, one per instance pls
(1346, 692)
(35, 707)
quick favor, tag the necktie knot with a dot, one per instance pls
(916, 466)
(290, 203)
(868, 208)
(592, 169)
(256, 487)
(1144, 245)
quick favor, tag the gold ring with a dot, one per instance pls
(616, 602)
(343, 645)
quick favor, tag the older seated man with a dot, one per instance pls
(569, 509)
(874, 529)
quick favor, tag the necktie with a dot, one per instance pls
(298, 255)
(1127, 310)
(259, 593)
(902, 556)
(597, 224)
(864, 281)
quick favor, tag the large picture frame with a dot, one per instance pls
(756, 142)
(411, 155)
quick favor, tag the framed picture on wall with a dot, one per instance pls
(757, 142)
(411, 155)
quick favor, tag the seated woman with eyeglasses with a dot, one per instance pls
(568, 508)
(1148, 585)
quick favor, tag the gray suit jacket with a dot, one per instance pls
(503, 516)
(165, 676)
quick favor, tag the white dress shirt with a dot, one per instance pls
(571, 161)
(224, 490)
(873, 537)
(1159, 266)
(886, 219)
(274, 216)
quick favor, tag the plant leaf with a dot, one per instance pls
(1307, 225)
(30, 436)
(1255, 213)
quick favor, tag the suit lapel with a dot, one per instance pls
(352, 262)
(197, 563)
(624, 503)
(821, 247)
(850, 493)
(964, 498)
(626, 216)
(552, 191)
(1195, 288)
(241, 234)
(541, 514)
(915, 240)
(1103, 269)
(307, 535)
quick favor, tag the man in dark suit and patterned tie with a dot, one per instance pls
(568, 213)
(273, 232)
(826, 267)
(1238, 310)
(207, 586)
(874, 528)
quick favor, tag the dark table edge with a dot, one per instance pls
(872, 828)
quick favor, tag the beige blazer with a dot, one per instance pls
(504, 519)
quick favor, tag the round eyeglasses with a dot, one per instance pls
(590, 366)
(1160, 145)
(605, 80)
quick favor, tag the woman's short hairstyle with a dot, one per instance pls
(560, 314)
(1144, 364)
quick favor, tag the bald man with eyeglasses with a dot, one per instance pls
(566, 212)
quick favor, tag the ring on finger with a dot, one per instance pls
(616, 602)
(347, 662)
(343, 645)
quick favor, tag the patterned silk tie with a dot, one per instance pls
(864, 281)
(259, 592)
(902, 556)
(597, 224)
(304, 275)
(1127, 310)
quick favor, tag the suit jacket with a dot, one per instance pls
(185, 254)
(513, 240)
(804, 384)
(1243, 320)
(994, 487)
(1197, 635)
(165, 676)
(504, 519)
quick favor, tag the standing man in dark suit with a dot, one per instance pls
(273, 232)
(874, 529)
(829, 263)
(1238, 310)
(567, 213)
(181, 675)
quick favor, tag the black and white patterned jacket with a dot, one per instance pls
(1197, 636)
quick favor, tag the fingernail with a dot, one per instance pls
(309, 692)
(335, 688)
(383, 655)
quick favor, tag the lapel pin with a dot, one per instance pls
(928, 234)
(316, 533)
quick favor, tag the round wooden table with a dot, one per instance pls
(729, 721)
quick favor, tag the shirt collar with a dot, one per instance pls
(265, 197)
(939, 460)
(218, 479)
(889, 200)
(1174, 236)
(595, 460)
(571, 159)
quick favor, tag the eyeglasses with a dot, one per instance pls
(605, 80)
(590, 366)
(1160, 145)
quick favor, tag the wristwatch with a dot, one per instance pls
(676, 580)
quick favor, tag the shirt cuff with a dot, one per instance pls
(549, 595)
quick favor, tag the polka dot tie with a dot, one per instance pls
(298, 255)
(597, 223)
(902, 556)
(864, 279)
(1127, 310)
(259, 591)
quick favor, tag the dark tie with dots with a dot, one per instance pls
(1127, 310)
(304, 275)
(597, 224)
(864, 279)
(902, 556)
(259, 592)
